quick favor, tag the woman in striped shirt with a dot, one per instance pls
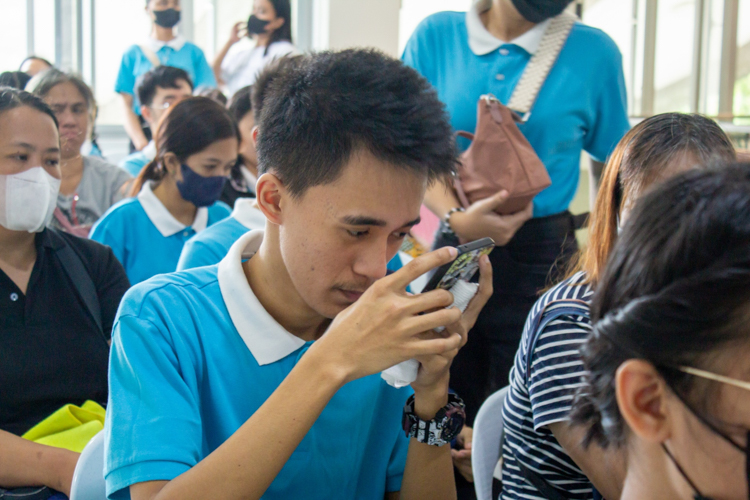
(542, 456)
(667, 362)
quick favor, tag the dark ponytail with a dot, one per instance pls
(188, 127)
(676, 290)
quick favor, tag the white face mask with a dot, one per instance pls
(28, 199)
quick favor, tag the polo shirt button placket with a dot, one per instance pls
(504, 52)
(14, 296)
(500, 77)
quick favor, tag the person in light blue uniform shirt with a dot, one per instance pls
(166, 48)
(581, 107)
(259, 377)
(212, 245)
(157, 91)
(177, 192)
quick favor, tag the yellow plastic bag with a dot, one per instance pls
(71, 427)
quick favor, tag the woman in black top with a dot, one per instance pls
(58, 298)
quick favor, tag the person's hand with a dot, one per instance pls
(431, 385)
(385, 326)
(239, 30)
(462, 456)
(140, 142)
(481, 221)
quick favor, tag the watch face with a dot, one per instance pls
(453, 422)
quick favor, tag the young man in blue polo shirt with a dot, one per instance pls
(259, 377)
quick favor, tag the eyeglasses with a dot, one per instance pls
(715, 377)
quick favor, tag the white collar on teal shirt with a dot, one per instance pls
(482, 42)
(175, 43)
(267, 340)
(246, 213)
(165, 221)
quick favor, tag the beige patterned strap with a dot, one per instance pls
(541, 63)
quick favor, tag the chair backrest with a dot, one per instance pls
(88, 478)
(487, 443)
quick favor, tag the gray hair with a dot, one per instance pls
(43, 83)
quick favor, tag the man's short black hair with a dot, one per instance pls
(165, 77)
(317, 114)
(266, 78)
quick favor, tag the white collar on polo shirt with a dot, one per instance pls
(162, 219)
(267, 340)
(149, 151)
(175, 43)
(482, 42)
(246, 213)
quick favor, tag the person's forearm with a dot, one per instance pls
(440, 198)
(429, 469)
(248, 462)
(220, 59)
(132, 124)
(24, 463)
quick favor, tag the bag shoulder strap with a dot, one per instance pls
(150, 55)
(527, 90)
(552, 311)
(81, 279)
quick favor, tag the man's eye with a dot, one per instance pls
(401, 235)
(357, 234)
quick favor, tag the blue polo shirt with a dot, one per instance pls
(145, 237)
(178, 52)
(195, 355)
(581, 106)
(210, 246)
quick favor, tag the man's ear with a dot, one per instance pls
(270, 197)
(642, 398)
(254, 136)
(146, 113)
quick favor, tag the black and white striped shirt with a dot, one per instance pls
(544, 395)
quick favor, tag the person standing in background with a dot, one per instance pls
(162, 48)
(582, 105)
(270, 26)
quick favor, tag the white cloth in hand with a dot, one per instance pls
(405, 373)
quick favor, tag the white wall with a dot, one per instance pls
(340, 24)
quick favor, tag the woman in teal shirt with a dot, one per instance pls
(163, 48)
(175, 196)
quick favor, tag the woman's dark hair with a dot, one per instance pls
(44, 82)
(318, 114)
(15, 79)
(188, 127)
(283, 8)
(11, 98)
(676, 292)
(641, 158)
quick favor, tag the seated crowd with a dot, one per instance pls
(225, 300)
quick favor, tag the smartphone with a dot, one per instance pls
(464, 267)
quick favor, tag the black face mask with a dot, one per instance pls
(256, 26)
(167, 18)
(536, 11)
(746, 451)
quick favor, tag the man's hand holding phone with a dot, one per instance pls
(387, 326)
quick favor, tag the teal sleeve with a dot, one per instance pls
(153, 428)
(197, 253)
(204, 75)
(104, 232)
(611, 116)
(125, 82)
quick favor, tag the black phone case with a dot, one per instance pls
(462, 249)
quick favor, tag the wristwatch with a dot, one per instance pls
(447, 229)
(447, 424)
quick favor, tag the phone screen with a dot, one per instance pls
(463, 268)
